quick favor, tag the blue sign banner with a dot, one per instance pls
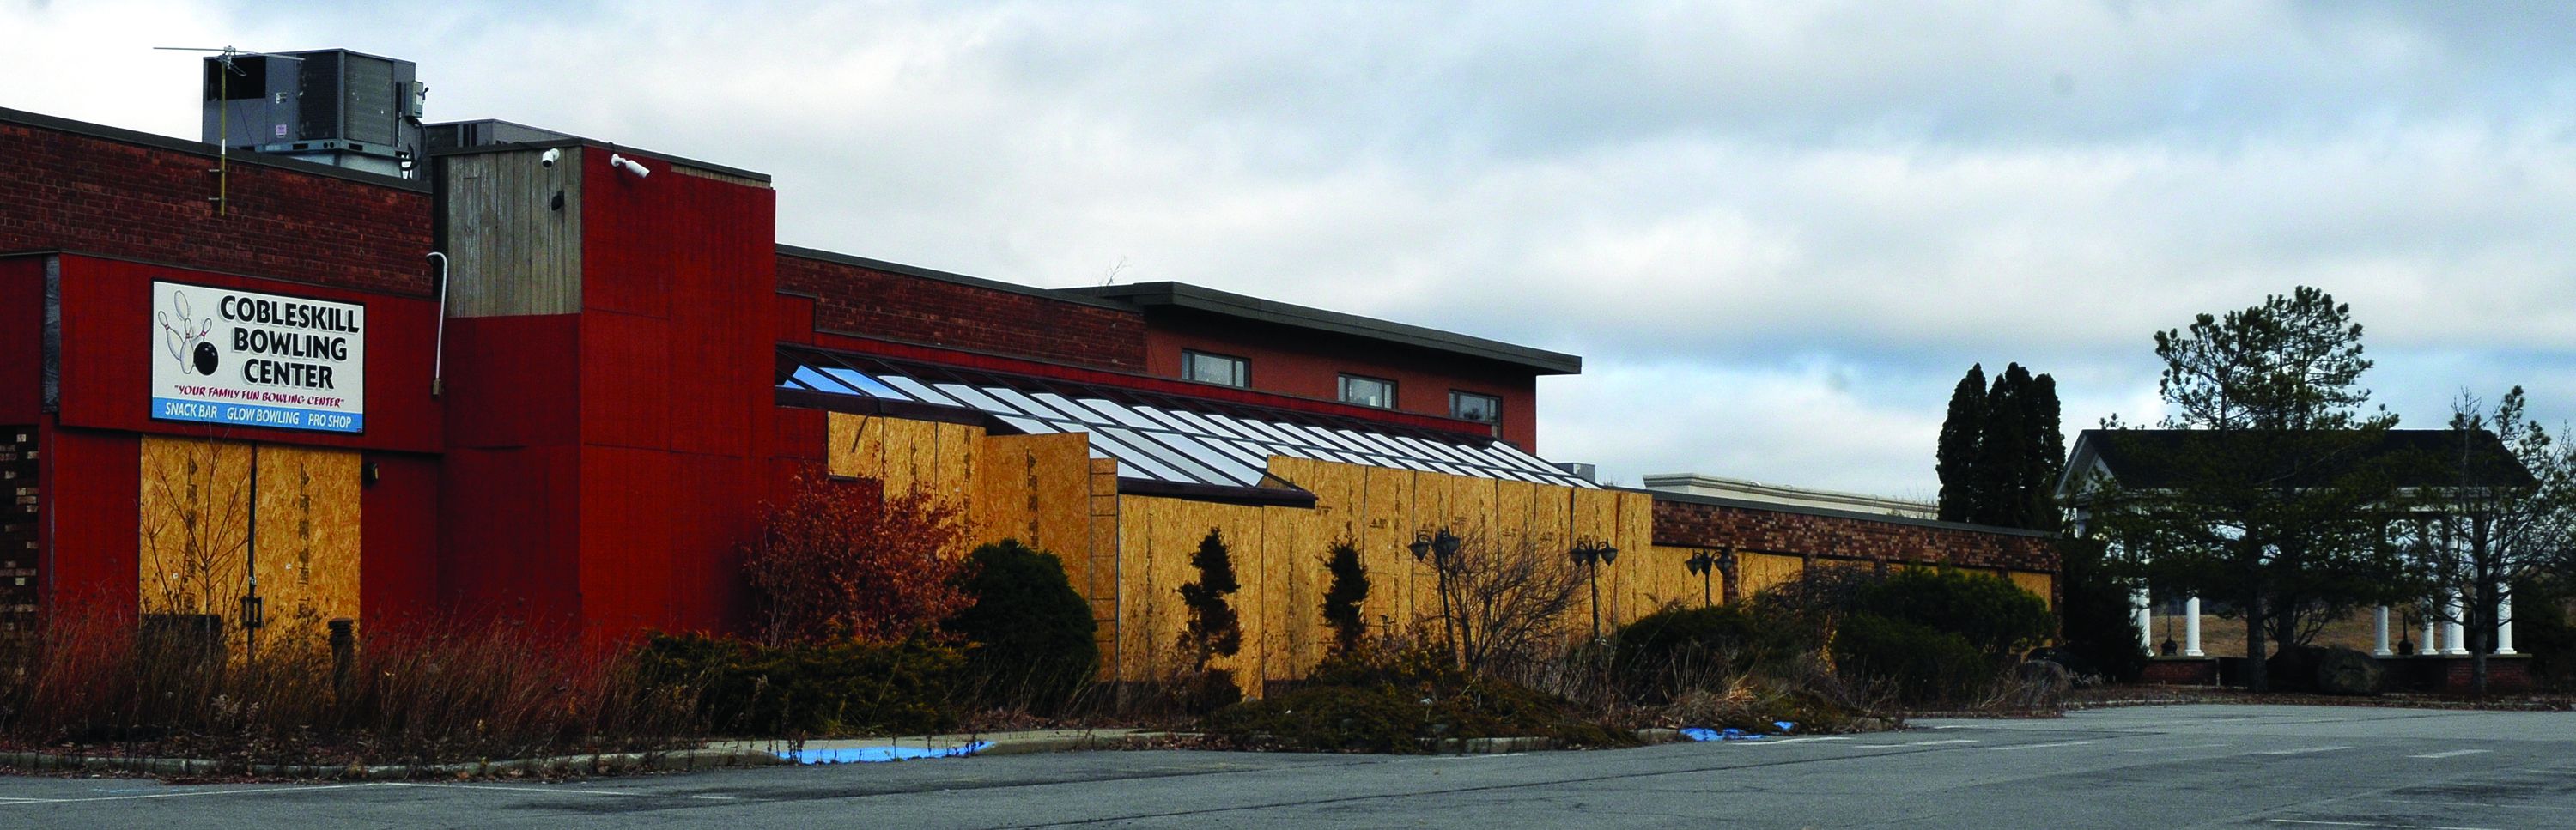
(253, 415)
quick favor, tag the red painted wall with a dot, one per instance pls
(78, 189)
(92, 443)
(679, 283)
(108, 351)
(1310, 364)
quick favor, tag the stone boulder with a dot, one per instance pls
(2330, 670)
(2043, 682)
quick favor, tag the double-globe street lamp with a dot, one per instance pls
(1592, 554)
(1703, 563)
(1440, 548)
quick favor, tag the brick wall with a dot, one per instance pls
(96, 189)
(874, 303)
(1695, 524)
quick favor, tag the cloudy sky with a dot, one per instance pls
(1777, 233)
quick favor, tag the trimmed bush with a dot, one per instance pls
(801, 690)
(1917, 663)
(1680, 648)
(1030, 633)
(1402, 701)
(1990, 613)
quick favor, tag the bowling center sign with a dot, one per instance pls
(251, 359)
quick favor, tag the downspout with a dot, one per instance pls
(438, 351)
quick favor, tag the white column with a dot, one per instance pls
(2427, 645)
(2146, 618)
(2453, 630)
(2379, 633)
(2504, 625)
(2191, 628)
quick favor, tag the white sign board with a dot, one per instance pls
(261, 360)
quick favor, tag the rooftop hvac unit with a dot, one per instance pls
(328, 106)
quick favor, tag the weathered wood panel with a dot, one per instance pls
(510, 251)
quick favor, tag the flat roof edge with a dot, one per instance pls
(1720, 501)
(1057, 294)
(1201, 298)
(163, 142)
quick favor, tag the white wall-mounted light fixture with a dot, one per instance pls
(628, 165)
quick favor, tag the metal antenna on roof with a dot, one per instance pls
(223, 109)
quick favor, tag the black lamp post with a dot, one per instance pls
(1592, 554)
(1439, 547)
(1703, 563)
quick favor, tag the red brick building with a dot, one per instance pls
(554, 379)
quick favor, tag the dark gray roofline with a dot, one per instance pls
(1199, 298)
(163, 142)
(943, 276)
(1716, 501)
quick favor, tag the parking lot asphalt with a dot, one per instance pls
(2163, 766)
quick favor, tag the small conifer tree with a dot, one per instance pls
(1342, 600)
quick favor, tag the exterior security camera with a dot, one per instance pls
(628, 165)
(549, 158)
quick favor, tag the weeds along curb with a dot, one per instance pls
(620, 762)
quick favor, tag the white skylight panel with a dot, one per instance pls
(1030, 426)
(1168, 420)
(1119, 413)
(1138, 459)
(1230, 427)
(1416, 465)
(1068, 407)
(918, 390)
(1236, 451)
(973, 397)
(1448, 468)
(1376, 442)
(1025, 403)
(806, 376)
(867, 385)
(1524, 460)
(1191, 471)
(1205, 452)
(1266, 432)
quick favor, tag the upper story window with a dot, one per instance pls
(1469, 406)
(1367, 391)
(1215, 368)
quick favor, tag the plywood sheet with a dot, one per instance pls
(2042, 584)
(307, 557)
(1763, 570)
(195, 528)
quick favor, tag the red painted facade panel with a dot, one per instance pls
(509, 537)
(91, 536)
(108, 351)
(626, 378)
(626, 515)
(398, 560)
(511, 381)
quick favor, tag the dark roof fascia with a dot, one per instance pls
(2091, 450)
(1255, 496)
(515, 146)
(163, 142)
(1827, 512)
(1229, 304)
(898, 268)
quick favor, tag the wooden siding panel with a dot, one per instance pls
(510, 252)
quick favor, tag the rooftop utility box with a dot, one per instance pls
(328, 106)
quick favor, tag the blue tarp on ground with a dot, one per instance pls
(880, 754)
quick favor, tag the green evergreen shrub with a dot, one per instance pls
(1993, 615)
(1665, 652)
(1213, 629)
(803, 689)
(1350, 587)
(1920, 665)
(1031, 634)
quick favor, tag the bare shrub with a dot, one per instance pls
(1503, 603)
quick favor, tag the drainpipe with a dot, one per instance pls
(438, 352)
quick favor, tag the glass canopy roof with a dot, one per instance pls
(1162, 437)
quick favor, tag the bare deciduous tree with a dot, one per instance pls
(1505, 601)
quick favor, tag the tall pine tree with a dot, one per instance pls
(2001, 450)
(1956, 457)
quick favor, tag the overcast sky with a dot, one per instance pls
(1777, 233)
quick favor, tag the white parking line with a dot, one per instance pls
(2451, 754)
(2176, 748)
(1942, 743)
(2301, 751)
(2373, 824)
(184, 794)
(2038, 746)
(1786, 741)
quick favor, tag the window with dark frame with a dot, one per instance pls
(1215, 368)
(1368, 391)
(1469, 406)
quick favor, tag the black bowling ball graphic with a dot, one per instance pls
(205, 358)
